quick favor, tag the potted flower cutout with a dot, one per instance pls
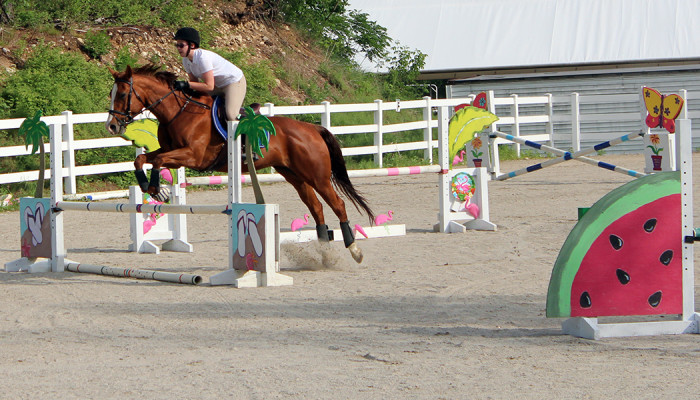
(656, 158)
(476, 145)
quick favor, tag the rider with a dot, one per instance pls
(209, 72)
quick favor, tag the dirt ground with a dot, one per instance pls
(425, 316)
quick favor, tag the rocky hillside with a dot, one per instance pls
(241, 25)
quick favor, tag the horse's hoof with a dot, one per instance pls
(163, 195)
(355, 252)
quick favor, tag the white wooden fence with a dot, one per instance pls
(537, 118)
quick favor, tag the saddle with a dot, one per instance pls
(218, 115)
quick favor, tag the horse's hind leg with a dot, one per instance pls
(337, 204)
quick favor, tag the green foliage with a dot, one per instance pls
(33, 13)
(343, 32)
(53, 82)
(125, 57)
(97, 44)
(403, 65)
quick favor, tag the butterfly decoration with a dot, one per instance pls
(663, 109)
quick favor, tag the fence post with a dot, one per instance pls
(550, 119)
(270, 107)
(575, 122)
(428, 132)
(516, 122)
(378, 135)
(326, 116)
(69, 153)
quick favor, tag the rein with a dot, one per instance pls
(129, 116)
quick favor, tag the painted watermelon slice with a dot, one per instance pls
(624, 257)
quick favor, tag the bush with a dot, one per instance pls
(97, 44)
(123, 58)
(54, 82)
(33, 13)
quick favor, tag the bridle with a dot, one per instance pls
(128, 116)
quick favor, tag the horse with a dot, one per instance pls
(308, 156)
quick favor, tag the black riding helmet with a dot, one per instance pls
(188, 34)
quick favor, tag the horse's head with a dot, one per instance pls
(126, 103)
(147, 88)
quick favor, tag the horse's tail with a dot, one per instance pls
(339, 174)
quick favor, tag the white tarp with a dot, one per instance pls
(489, 34)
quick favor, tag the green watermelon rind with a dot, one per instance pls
(611, 207)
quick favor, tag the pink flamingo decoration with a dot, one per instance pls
(382, 219)
(472, 209)
(298, 223)
(458, 158)
(358, 228)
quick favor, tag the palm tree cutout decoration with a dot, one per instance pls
(33, 130)
(256, 128)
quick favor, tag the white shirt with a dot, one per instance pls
(225, 73)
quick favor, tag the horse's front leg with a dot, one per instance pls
(183, 157)
(147, 158)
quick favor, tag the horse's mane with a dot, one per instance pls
(155, 70)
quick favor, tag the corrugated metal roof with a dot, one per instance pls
(460, 35)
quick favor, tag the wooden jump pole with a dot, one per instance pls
(162, 276)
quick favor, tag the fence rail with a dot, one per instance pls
(537, 118)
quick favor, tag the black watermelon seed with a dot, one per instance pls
(616, 242)
(666, 257)
(585, 300)
(655, 299)
(622, 276)
(650, 225)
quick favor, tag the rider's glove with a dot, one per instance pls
(181, 85)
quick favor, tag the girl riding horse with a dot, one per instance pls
(308, 156)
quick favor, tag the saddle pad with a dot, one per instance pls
(218, 116)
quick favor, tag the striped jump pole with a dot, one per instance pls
(141, 208)
(560, 152)
(360, 173)
(161, 276)
(566, 156)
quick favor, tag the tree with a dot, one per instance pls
(256, 128)
(343, 32)
(33, 130)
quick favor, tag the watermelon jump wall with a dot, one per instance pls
(631, 255)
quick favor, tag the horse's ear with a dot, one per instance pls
(128, 72)
(113, 72)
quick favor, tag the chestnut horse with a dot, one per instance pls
(308, 156)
